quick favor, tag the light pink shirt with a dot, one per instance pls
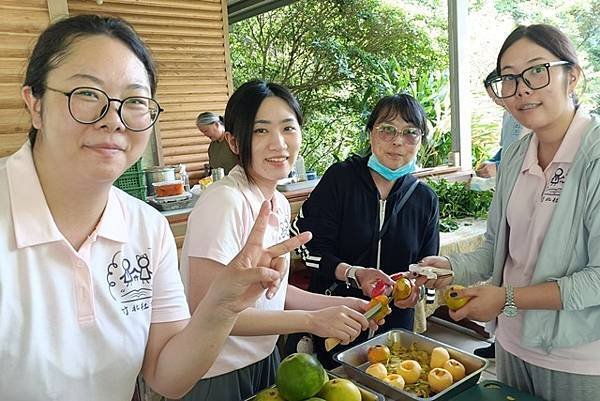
(217, 229)
(529, 212)
(74, 324)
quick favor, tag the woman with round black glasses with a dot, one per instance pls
(541, 246)
(370, 217)
(90, 293)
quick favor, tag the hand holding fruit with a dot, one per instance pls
(441, 263)
(252, 271)
(406, 292)
(339, 322)
(486, 303)
(369, 277)
(362, 306)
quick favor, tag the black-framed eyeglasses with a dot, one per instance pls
(536, 77)
(88, 105)
(410, 135)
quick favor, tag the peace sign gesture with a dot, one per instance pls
(254, 269)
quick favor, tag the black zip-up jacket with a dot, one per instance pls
(343, 214)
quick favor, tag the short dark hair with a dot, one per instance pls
(548, 37)
(55, 41)
(487, 81)
(241, 110)
(403, 105)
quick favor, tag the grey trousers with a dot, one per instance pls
(551, 385)
(239, 384)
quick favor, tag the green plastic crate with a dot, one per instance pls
(133, 181)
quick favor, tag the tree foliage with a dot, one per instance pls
(329, 53)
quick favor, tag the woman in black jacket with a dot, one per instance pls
(370, 216)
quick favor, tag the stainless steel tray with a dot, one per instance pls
(366, 393)
(354, 360)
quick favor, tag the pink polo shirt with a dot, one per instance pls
(529, 212)
(217, 229)
(74, 324)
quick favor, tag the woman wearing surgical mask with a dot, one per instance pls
(369, 216)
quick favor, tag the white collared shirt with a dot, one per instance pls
(74, 324)
(217, 229)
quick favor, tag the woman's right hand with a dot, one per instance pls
(338, 322)
(253, 270)
(441, 263)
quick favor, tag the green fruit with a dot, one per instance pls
(340, 390)
(300, 376)
(269, 394)
(314, 399)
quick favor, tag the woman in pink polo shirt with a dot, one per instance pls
(90, 293)
(263, 122)
(541, 246)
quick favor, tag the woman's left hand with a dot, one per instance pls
(486, 303)
(415, 293)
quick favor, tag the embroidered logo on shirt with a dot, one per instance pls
(129, 281)
(553, 190)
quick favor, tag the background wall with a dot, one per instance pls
(188, 39)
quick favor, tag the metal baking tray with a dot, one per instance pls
(366, 393)
(354, 360)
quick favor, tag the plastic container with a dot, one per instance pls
(300, 168)
(133, 181)
(168, 188)
(183, 175)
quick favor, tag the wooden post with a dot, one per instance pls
(460, 95)
(57, 9)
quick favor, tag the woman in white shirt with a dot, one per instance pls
(90, 294)
(263, 123)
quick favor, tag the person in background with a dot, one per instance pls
(370, 217)
(263, 122)
(90, 293)
(541, 245)
(219, 152)
(511, 131)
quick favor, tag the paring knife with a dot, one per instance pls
(331, 342)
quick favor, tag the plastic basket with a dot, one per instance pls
(139, 193)
(133, 181)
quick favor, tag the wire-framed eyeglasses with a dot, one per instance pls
(535, 77)
(88, 105)
(410, 135)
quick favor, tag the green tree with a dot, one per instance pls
(329, 54)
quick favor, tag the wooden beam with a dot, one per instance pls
(57, 9)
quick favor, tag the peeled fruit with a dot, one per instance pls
(439, 379)
(269, 394)
(452, 299)
(439, 356)
(377, 370)
(300, 376)
(456, 369)
(410, 371)
(402, 289)
(385, 309)
(378, 353)
(395, 380)
(340, 390)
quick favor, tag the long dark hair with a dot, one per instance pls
(54, 43)
(241, 110)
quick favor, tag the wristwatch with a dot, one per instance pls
(351, 279)
(510, 308)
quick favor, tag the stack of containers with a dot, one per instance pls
(133, 181)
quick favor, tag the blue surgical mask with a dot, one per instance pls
(386, 172)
